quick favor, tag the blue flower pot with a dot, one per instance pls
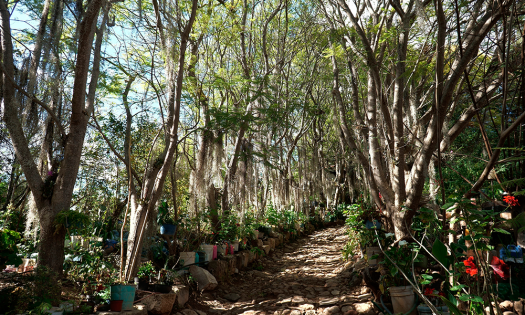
(168, 229)
(110, 244)
(124, 292)
(373, 225)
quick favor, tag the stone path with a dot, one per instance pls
(305, 277)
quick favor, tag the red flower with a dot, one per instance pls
(237, 224)
(428, 291)
(501, 269)
(472, 270)
(441, 294)
(511, 201)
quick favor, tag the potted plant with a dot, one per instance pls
(146, 270)
(433, 296)
(165, 281)
(165, 220)
(401, 292)
(229, 232)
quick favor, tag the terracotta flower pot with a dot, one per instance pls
(116, 305)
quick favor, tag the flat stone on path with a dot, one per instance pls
(326, 302)
(232, 297)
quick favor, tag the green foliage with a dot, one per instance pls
(104, 294)
(73, 221)
(163, 214)
(13, 219)
(8, 248)
(403, 255)
(248, 226)
(359, 235)
(273, 217)
(92, 267)
(258, 266)
(146, 269)
(230, 228)
(505, 293)
(257, 251)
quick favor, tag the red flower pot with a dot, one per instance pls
(116, 305)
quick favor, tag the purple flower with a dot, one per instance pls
(50, 173)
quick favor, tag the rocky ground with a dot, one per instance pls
(308, 276)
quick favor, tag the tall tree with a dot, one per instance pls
(53, 192)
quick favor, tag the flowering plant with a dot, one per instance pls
(403, 255)
(501, 269)
(511, 201)
(471, 268)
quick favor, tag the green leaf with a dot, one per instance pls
(447, 205)
(452, 308)
(476, 298)
(464, 298)
(469, 297)
(458, 287)
(501, 231)
(427, 277)
(439, 250)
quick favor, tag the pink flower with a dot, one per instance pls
(500, 268)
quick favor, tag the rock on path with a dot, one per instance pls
(304, 277)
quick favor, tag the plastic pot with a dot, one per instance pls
(162, 288)
(144, 284)
(402, 299)
(373, 224)
(188, 258)
(110, 244)
(116, 305)
(208, 252)
(124, 292)
(370, 252)
(168, 229)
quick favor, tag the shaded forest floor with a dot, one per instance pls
(307, 276)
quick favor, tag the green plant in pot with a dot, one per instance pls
(165, 281)
(247, 229)
(399, 259)
(146, 271)
(165, 220)
(230, 228)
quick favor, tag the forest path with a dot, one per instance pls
(307, 277)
